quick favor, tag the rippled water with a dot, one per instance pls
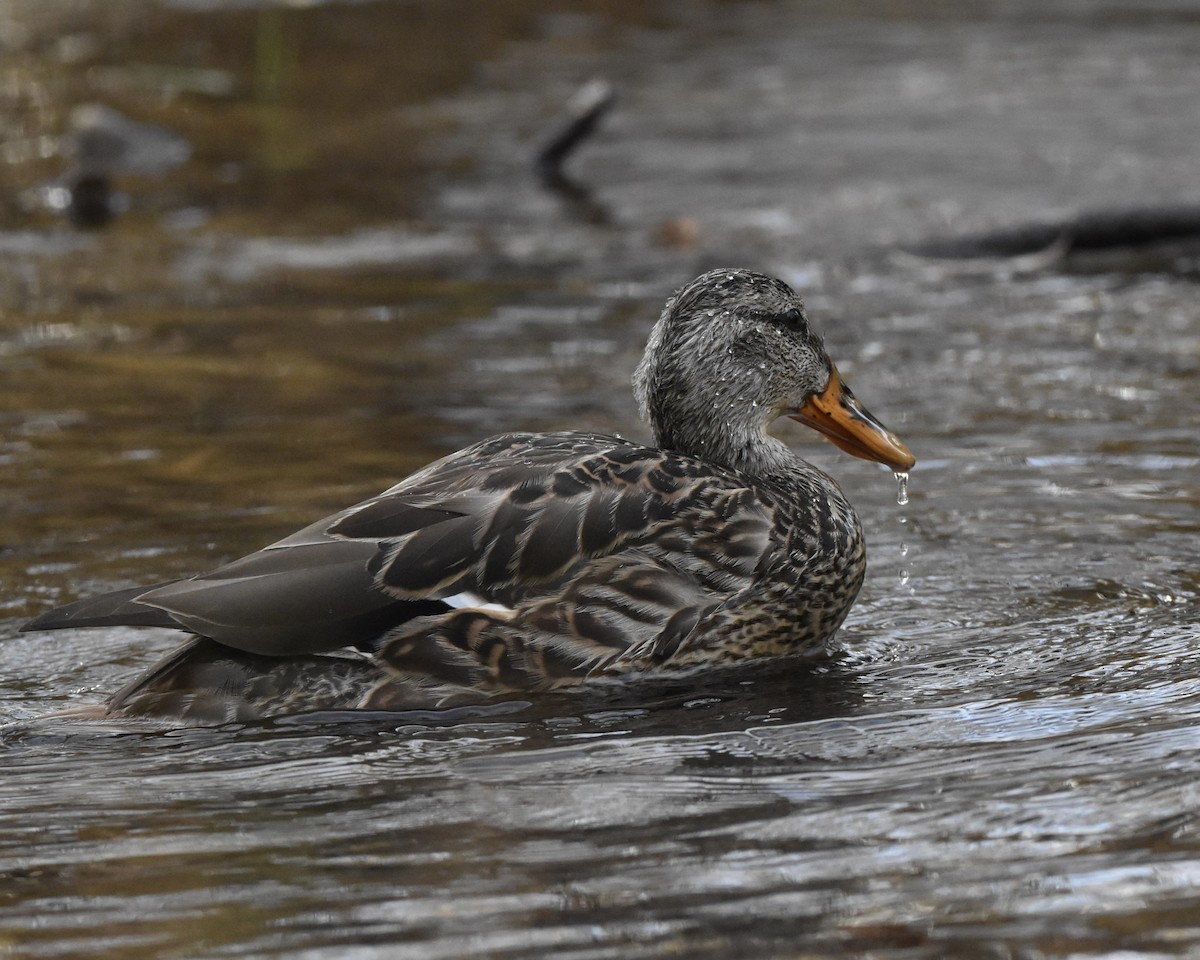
(356, 271)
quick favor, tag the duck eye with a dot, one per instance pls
(792, 319)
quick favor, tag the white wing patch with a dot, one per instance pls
(473, 601)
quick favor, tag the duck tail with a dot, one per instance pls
(118, 608)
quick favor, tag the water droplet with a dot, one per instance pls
(902, 499)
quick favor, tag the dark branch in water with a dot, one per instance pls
(1100, 230)
(577, 198)
(100, 144)
(583, 113)
(91, 201)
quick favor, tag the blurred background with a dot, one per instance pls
(261, 259)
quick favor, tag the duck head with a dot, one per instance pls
(733, 352)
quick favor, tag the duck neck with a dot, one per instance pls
(744, 447)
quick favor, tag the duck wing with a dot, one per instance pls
(569, 546)
(571, 560)
(306, 594)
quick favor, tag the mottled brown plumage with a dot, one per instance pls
(535, 561)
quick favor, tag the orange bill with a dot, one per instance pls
(839, 416)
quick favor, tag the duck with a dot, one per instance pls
(529, 563)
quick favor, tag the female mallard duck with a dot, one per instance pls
(533, 561)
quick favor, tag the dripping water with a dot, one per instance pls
(902, 499)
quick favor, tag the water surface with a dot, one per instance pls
(356, 271)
